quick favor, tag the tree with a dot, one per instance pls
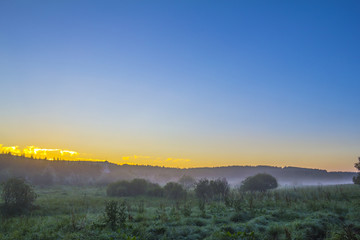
(259, 182)
(203, 190)
(118, 189)
(138, 186)
(115, 214)
(216, 189)
(356, 179)
(220, 188)
(174, 190)
(17, 195)
(187, 182)
(154, 190)
(134, 188)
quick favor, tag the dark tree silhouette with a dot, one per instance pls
(134, 188)
(259, 182)
(203, 190)
(220, 188)
(174, 190)
(216, 189)
(138, 186)
(187, 182)
(356, 179)
(17, 195)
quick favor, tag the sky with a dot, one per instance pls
(183, 83)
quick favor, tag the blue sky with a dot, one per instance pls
(220, 83)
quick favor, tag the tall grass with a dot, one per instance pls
(322, 212)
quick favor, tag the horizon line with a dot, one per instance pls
(142, 165)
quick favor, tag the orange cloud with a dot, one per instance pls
(44, 152)
(39, 152)
(13, 150)
(56, 153)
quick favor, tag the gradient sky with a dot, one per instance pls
(184, 83)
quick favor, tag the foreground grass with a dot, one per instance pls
(63, 212)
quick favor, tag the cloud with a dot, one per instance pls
(12, 149)
(56, 153)
(38, 152)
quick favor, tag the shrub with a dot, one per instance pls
(202, 207)
(118, 189)
(134, 188)
(17, 195)
(174, 190)
(154, 190)
(141, 206)
(259, 182)
(115, 214)
(203, 189)
(356, 179)
(240, 217)
(234, 236)
(187, 209)
(138, 186)
(220, 188)
(214, 189)
(187, 182)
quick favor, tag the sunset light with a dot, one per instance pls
(61, 154)
(36, 152)
(182, 119)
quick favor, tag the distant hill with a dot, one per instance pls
(46, 172)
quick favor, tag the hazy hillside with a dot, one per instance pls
(45, 172)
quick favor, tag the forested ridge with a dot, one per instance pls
(49, 172)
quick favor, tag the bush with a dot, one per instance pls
(118, 189)
(154, 190)
(174, 191)
(215, 189)
(138, 186)
(203, 189)
(17, 195)
(143, 187)
(187, 182)
(220, 188)
(259, 182)
(356, 179)
(115, 214)
(134, 188)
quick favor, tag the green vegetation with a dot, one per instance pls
(356, 179)
(174, 191)
(42, 172)
(142, 187)
(18, 196)
(207, 190)
(137, 187)
(259, 182)
(64, 212)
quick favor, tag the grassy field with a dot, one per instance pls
(63, 212)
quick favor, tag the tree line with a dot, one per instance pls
(205, 189)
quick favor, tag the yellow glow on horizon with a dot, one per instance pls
(69, 155)
(12, 149)
(37, 152)
(45, 152)
(205, 159)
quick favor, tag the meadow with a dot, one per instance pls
(69, 212)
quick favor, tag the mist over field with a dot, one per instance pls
(101, 200)
(46, 172)
(179, 120)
